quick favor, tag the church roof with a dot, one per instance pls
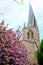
(32, 20)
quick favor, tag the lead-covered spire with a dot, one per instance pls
(32, 20)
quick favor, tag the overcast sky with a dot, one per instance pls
(16, 14)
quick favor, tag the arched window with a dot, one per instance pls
(28, 35)
(32, 35)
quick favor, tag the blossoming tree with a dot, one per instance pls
(12, 52)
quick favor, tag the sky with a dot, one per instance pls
(15, 14)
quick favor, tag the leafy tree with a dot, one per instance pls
(12, 52)
(40, 54)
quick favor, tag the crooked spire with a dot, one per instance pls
(32, 20)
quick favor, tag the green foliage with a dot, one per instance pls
(40, 54)
(41, 46)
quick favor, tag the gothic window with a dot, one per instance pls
(28, 35)
(32, 35)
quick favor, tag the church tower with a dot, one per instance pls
(31, 37)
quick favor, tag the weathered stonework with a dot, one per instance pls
(31, 40)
